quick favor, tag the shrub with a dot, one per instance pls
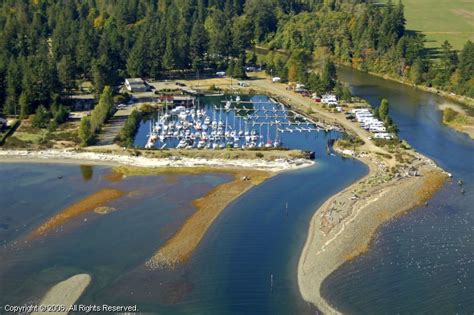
(449, 114)
(259, 155)
(41, 118)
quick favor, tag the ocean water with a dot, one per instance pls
(103, 245)
(257, 238)
(422, 262)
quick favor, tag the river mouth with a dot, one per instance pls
(423, 261)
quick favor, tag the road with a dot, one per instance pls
(304, 103)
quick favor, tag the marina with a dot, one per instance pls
(226, 122)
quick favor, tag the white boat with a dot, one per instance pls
(177, 110)
(201, 144)
(182, 115)
(182, 144)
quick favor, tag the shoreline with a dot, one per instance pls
(62, 296)
(337, 235)
(464, 100)
(106, 159)
(343, 227)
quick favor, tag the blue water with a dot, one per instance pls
(254, 238)
(103, 245)
(229, 273)
(420, 263)
(256, 113)
(424, 261)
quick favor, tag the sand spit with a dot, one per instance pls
(65, 294)
(343, 226)
(76, 157)
(88, 204)
(181, 245)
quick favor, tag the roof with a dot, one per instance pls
(135, 81)
(183, 98)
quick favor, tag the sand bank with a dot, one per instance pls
(90, 203)
(65, 293)
(343, 226)
(181, 245)
(76, 157)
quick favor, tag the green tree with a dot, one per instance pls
(383, 109)
(40, 118)
(198, 45)
(85, 131)
(66, 74)
(25, 105)
(329, 75)
(466, 61)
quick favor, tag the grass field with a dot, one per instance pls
(441, 20)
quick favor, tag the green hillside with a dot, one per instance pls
(441, 20)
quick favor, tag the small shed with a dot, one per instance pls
(135, 85)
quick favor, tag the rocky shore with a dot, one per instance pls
(77, 157)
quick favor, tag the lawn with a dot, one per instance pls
(441, 20)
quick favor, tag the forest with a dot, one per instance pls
(48, 48)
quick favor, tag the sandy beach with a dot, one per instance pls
(65, 293)
(343, 227)
(182, 244)
(75, 157)
(90, 203)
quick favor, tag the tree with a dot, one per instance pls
(60, 115)
(13, 88)
(448, 63)
(329, 75)
(239, 68)
(24, 102)
(466, 61)
(41, 118)
(137, 60)
(383, 109)
(198, 45)
(102, 110)
(85, 131)
(66, 74)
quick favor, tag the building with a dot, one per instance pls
(135, 85)
(183, 100)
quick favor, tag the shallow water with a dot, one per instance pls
(424, 261)
(102, 245)
(255, 237)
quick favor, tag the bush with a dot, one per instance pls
(259, 155)
(61, 115)
(127, 134)
(449, 115)
(85, 131)
(41, 118)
